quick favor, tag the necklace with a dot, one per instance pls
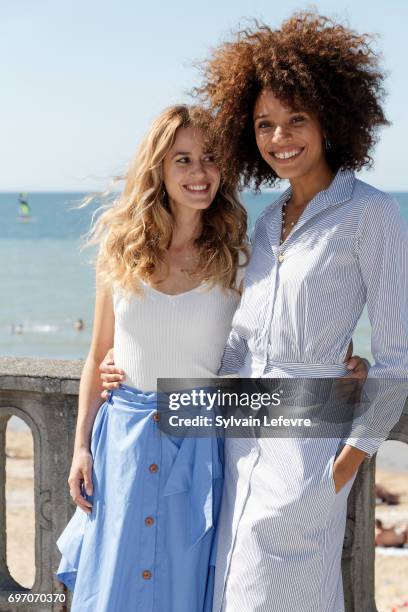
(286, 228)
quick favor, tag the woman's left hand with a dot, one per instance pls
(346, 465)
(358, 368)
(340, 477)
(348, 388)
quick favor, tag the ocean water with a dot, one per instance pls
(47, 283)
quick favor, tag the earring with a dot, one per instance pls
(327, 143)
(164, 197)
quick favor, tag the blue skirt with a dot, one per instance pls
(148, 544)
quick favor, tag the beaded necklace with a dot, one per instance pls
(286, 229)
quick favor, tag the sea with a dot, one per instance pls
(48, 281)
(48, 284)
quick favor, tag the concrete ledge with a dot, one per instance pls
(40, 375)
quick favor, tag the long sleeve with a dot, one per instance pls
(382, 250)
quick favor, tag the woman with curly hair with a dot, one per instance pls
(304, 103)
(142, 535)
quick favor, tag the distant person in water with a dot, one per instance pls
(24, 206)
(16, 328)
(79, 325)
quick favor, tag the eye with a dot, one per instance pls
(263, 125)
(209, 158)
(183, 160)
(298, 119)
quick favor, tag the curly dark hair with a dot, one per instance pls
(310, 63)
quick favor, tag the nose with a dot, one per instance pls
(197, 169)
(280, 134)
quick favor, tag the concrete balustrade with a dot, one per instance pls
(43, 393)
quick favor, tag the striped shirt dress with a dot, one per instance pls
(282, 522)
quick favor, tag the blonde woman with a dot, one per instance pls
(142, 535)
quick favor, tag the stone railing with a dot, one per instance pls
(43, 393)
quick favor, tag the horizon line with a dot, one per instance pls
(88, 191)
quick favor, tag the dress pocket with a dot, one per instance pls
(347, 485)
(331, 477)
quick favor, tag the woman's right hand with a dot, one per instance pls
(110, 375)
(81, 472)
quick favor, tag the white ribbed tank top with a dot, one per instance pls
(171, 336)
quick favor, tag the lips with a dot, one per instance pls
(287, 155)
(197, 188)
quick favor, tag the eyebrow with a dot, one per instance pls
(292, 111)
(181, 153)
(259, 117)
(186, 153)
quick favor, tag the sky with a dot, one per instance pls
(81, 81)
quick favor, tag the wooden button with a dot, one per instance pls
(146, 574)
(149, 521)
(156, 417)
(153, 468)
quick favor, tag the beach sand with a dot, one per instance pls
(20, 506)
(391, 572)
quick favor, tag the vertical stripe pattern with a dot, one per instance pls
(282, 522)
(302, 300)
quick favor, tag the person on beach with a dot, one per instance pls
(147, 505)
(395, 536)
(304, 103)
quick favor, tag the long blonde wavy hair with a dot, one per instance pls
(135, 230)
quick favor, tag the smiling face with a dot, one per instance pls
(190, 175)
(291, 141)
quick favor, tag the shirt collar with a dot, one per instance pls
(340, 190)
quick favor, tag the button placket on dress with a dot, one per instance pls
(274, 281)
(260, 341)
(280, 252)
(280, 255)
(247, 468)
(149, 499)
(274, 236)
